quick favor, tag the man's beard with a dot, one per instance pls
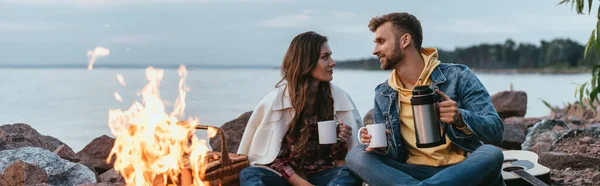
(394, 59)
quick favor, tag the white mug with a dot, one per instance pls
(327, 132)
(378, 136)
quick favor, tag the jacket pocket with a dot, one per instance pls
(260, 146)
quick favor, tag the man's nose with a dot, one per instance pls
(376, 51)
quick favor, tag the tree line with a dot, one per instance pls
(558, 53)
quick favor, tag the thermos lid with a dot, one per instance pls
(422, 90)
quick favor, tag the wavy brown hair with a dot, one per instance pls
(299, 61)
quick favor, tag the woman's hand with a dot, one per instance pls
(298, 181)
(344, 131)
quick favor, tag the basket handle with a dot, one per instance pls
(225, 160)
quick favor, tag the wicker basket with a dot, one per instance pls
(222, 170)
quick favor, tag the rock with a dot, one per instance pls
(542, 135)
(585, 142)
(65, 152)
(368, 119)
(94, 154)
(21, 173)
(559, 129)
(234, 130)
(541, 146)
(561, 160)
(59, 171)
(510, 103)
(524, 123)
(103, 184)
(112, 176)
(13, 136)
(514, 136)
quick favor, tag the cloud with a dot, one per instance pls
(479, 26)
(346, 23)
(22, 26)
(348, 29)
(288, 21)
(518, 24)
(344, 15)
(336, 22)
(95, 3)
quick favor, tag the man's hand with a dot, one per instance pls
(366, 138)
(449, 112)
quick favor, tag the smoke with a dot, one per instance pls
(96, 53)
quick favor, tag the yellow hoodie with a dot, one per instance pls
(445, 154)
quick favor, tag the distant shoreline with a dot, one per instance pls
(537, 71)
(512, 70)
(109, 66)
(191, 67)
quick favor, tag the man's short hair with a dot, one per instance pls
(404, 22)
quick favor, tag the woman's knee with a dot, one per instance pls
(251, 172)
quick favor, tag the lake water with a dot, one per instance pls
(72, 104)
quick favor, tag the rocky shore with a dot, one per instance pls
(567, 141)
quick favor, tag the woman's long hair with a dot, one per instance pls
(299, 61)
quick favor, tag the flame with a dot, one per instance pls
(96, 53)
(120, 79)
(150, 144)
(118, 97)
(212, 132)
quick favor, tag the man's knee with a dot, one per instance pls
(358, 158)
(493, 153)
(355, 156)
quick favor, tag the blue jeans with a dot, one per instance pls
(339, 176)
(482, 167)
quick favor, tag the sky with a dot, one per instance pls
(257, 32)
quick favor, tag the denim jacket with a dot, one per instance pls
(461, 85)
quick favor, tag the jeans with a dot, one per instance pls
(339, 176)
(482, 167)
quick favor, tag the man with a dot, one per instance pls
(466, 113)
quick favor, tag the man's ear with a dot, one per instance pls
(406, 39)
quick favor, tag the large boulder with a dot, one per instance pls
(542, 135)
(59, 171)
(510, 103)
(515, 129)
(65, 152)
(112, 176)
(21, 173)
(94, 154)
(234, 130)
(513, 137)
(19, 135)
(103, 184)
(523, 123)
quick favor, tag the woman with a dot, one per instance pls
(281, 137)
